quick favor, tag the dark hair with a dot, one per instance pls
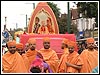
(35, 70)
(66, 46)
(37, 19)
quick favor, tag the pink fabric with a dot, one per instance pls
(38, 62)
(55, 41)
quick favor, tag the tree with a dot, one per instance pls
(89, 10)
(62, 23)
(55, 9)
(57, 13)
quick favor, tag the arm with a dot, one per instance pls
(74, 66)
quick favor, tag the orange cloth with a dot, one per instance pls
(72, 58)
(71, 44)
(75, 59)
(61, 67)
(90, 60)
(19, 45)
(46, 39)
(65, 41)
(51, 58)
(13, 63)
(65, 51)
(31, 41)
(31, 55)
(11, 43)
(90, 40)
(43, 30)
(26, 61)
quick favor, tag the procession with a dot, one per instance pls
(67, 44)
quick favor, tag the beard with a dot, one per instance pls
(71, 51)
(91, 47)
(32, 48)
(46, 47)
(12, 52)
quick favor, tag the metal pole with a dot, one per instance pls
(5, 23)
(33, 5)
(68, 18)
(26, 20)
(16, 26)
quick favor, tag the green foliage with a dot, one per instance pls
(55, 9)
(61, 23)
(89, 10)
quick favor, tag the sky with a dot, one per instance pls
(16, 11)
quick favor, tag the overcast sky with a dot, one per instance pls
(16, 11)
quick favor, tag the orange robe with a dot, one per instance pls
(72, 58)
(13, 63)
(65, 51)
(51, 58)
(31, 55)
(50, 29)
(90, 60)
(62, 65)
(43, 30)
(75, 59)
(26, 61)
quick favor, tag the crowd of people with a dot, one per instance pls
(20, 59)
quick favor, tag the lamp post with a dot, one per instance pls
(68, 21)
(26, 20)
(5, 23)
(31, 3)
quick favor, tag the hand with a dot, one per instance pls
(68, 64)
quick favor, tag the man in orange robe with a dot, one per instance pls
(19, 48)
(61, 67)
(12, 62)
(49, 55)
(89, 57)
(32, 52)
(74, 62)
(71, 62)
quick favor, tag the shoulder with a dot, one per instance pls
(53, 51)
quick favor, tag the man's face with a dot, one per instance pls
(12, 49)
(90, 45)
(19, 50)
(46, 45)
(32, 46)
(26, 47)
(71, 49)
(36, 21)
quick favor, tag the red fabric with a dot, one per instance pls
(43, 28)
(55, 41)
(37, 62)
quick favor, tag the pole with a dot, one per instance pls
(26, 20)
(16, 25)
(68, 21)
(33, 5)
(5, 23)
